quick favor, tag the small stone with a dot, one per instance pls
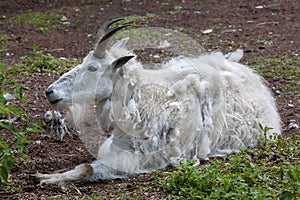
(278, 92)
(259, 7)
(290, 105)
(208, 31)
(293, 126)
(164, 44)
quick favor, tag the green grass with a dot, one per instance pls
(175, 10)
(14, 144)
(42, 21)
(3, 42)
(38, 61)
(283, 69)
(133, 19)
(271, 171)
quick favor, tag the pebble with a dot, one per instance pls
(293, 126)
(290, 105)
(8, 96)
(38, 142)
(259, 7)
(208, 31)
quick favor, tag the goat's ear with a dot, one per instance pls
(120, 44)
(110, 71)
(120, 62)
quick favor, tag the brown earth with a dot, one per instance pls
(275, 21)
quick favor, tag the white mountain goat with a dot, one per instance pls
(189, 108)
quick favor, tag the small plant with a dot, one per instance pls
(270, 171)
(42, 21)
(176, 10)
(280, 68)
(265, 130)
(38, 61)
(233, 30)
(291, 178)
(9, 114)
(135, 18)
(3, 41)
(95, 197)
(264, 42)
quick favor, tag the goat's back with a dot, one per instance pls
(192, 108)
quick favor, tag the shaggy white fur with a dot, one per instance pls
(189, 108)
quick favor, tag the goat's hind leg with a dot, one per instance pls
(79, 173)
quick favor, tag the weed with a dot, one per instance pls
(291, 178)
(248, 175)
(264, 42)
(95, 197)
(164, 3)
(135, 18)
(38, 61)
(10, 148)
(57, 197)
(93, 1)
(233, 30)
(280, 68)
(232, 43)
(176, 10)
(42, 21)
(3, 42)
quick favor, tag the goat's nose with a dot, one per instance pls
(48, 92)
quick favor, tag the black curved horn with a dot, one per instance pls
(112, 31)
(105, 34)
(110, 22)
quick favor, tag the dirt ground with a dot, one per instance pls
(258, 20)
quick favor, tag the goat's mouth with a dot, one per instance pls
(55, 101)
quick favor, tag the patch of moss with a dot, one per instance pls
(42, 21)
(281, 68)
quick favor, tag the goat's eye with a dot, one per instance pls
(92, 68)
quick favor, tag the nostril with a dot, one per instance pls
(48, 92)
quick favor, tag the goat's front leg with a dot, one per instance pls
(79, 173)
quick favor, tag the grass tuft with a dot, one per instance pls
(38, 61)
(42, 21)
(281, 69)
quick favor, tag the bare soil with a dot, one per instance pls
(248, 21)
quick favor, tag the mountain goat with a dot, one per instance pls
(189, 108)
